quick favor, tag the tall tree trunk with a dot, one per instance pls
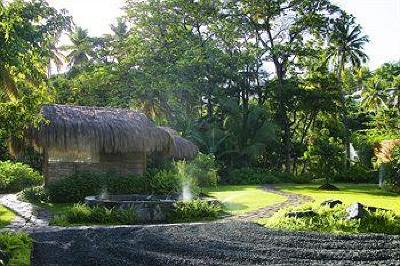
(344, 110)
(283, 118)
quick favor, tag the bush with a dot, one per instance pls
(204, 170)
(164, 182)
(356, 174)
(259, 176)
(18, 247)
(15, 177)
(35, 194)
(75, 188)
(195, 210)
(81, 214)
(392, 169)
(334, 221)
(134, 184)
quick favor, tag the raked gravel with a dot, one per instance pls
(228, 243)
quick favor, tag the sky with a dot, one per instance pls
(380, 20)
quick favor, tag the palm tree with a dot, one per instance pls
(346, 44)
(56, 57)
(80, 49)
(373, 94)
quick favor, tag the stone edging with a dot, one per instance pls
(28, 216)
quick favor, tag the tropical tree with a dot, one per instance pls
(346, 44)
(26, 29)
(81, 48)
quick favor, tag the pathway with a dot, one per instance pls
(292, 199)
(28, 216)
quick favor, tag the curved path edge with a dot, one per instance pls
(27, 215)
(292, 199)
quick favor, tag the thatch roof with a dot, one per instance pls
(98, 129)
(383, 150)
(182, 148)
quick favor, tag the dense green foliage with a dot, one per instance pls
(18, 246)
(200, 67)
(14, 177)
(392, 169)
(334, 221)
(81, 214)
(195, 210)
(28, 31)
(259, 176)
(76, 187)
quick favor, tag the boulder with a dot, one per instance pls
(355, 211)
(301, 214)
(328, 187)
(331, 203)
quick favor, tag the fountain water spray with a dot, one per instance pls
(186, 192)
(104, 194)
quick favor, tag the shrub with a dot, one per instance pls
(15, 177)
(18, 247)
(75, 188)
(334, 221)
(195, 210)
(134, 184)
(83, 214)
(356, 174)
(164, 182)
(204, 170)
(35, 194)
(392, 175)
(259, 176)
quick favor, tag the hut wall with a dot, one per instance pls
(118, 163)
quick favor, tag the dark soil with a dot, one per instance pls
(328, 187)
(230, 243)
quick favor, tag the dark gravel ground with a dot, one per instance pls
(230, 243)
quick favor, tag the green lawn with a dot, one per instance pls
(6, 216)
(242, 199)
(369, 195)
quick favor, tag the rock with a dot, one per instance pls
(301, 214)
(331, 203)
(355, 211)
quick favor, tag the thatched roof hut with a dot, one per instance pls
(383, 150)
(81, 138)
(99, 129)
(182, 149)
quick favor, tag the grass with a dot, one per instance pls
(367, 194)
(6, 216)
(18, 246)
(81, 214)
(334, 220)
(243, 199)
